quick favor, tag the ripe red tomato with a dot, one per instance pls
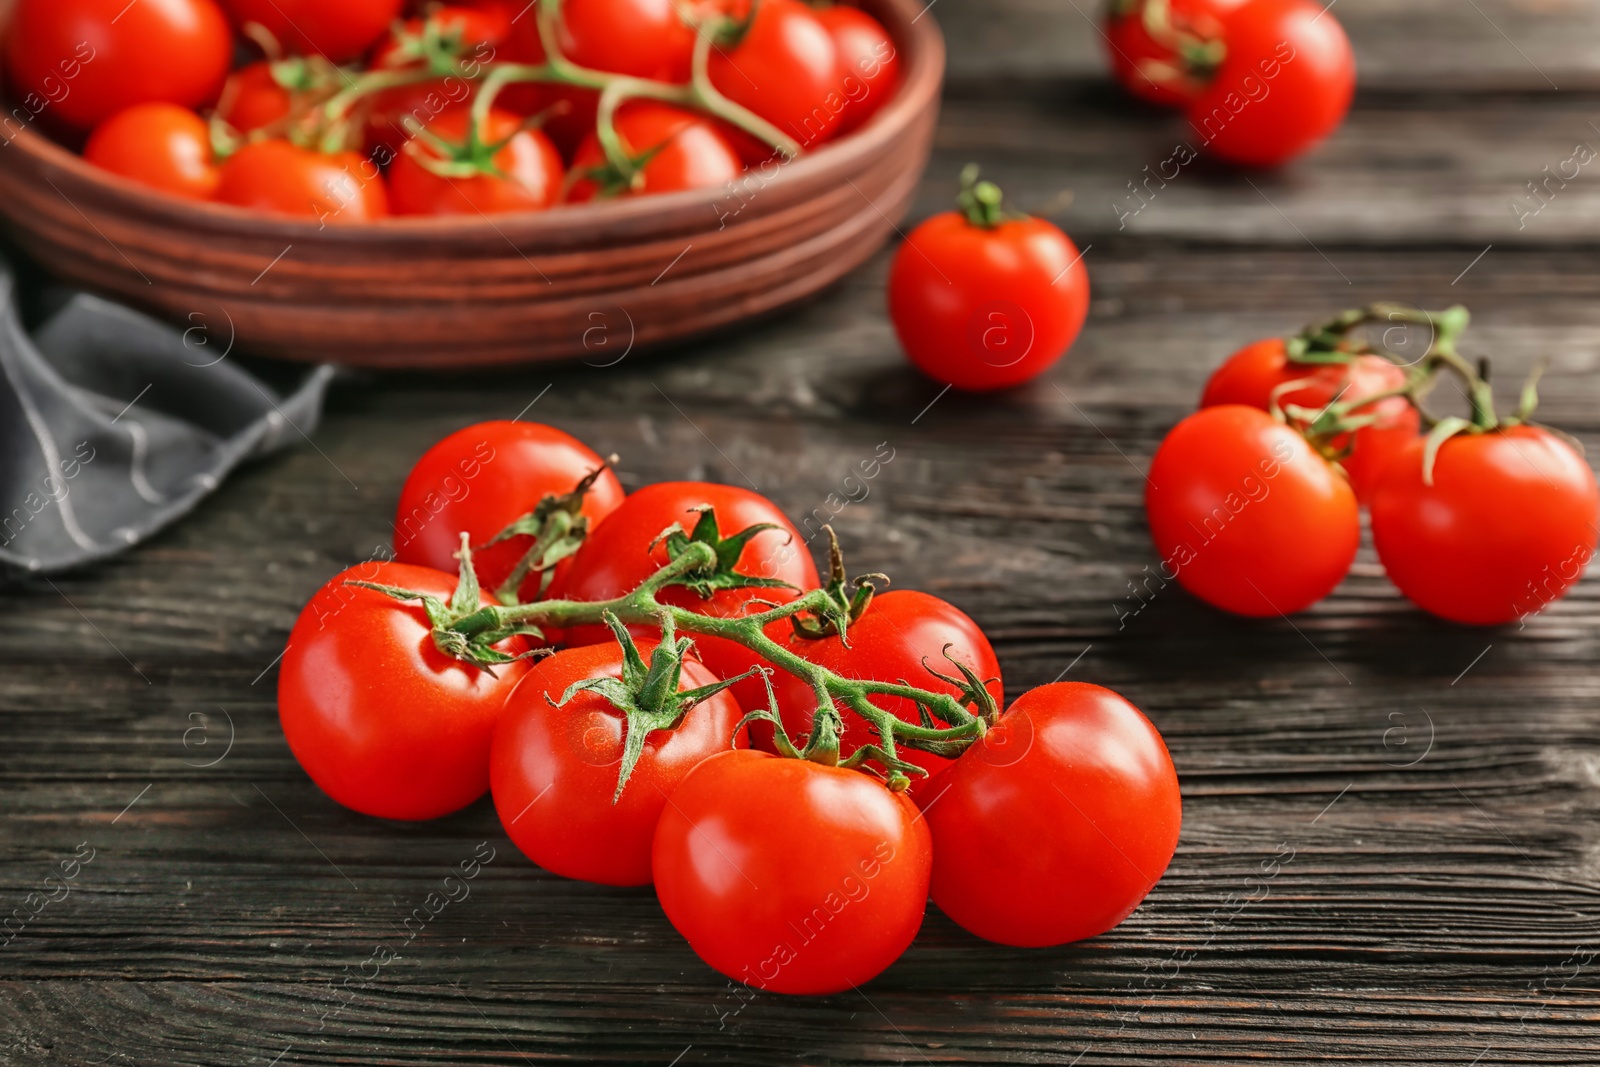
(1251, 374)
(644, 38)
(787, 70)
(1285, 83)
(381, 720)
(1507, 526)
(481, 479)
(284, 179)
(617, 557)
(1155, 69)
(340, 31)
(525, 175)
(554, 769)
(569, 111)
(985, 307)
(396, 114)
(253, 98)
(1247, 516)
(790, 876)
(871, 66)
(164, 146)
(82, 61)
(1058, 822)
(689, 153)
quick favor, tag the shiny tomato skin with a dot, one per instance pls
(162, 146)
(986, 308)
(397, 112)
(786, 69)
(1055, 825)
(280, 178)
(1507, 527)
(617, 557)
(1251, 374)
(1128, 45)
(690, 154)
(1250, 518)
(553, 771)
(870, 64)
(339, 30)
(85, 60)
(482, 478)
(790, 876)
(253, 99)
(382, 721)
(529, 180)
(644, 38)
(1286, 83)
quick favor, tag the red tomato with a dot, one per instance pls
(1507, 526)
(787, 70)
(253, 98)
(689, 153)
(1152, 69)
(481, 479)
(79, 62)
(790, 876)
(1058, 822)
(397, 113)
(339, 30)
(284, 179)
(525, 175)
(164, 146)
(1285, 83)
(1251, 374)
(554, 769)
(900, 630)
(1247, 516)
(867, 54)
(380, 719)
(569, 111)
(644, 38)
(986, 307)
(617, 557)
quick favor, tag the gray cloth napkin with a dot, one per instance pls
(112, 425)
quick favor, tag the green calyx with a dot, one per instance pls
(439, 46)
(847, 599)
(720, 574)
(981, 201)
(557, 525)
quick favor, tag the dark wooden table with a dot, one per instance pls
(1428, 793)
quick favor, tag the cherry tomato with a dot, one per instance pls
(1154, 68)
(1507, 526)
(867, 54)
(790, 876)
(340, 31)
(381, 720)
(482, 478)
(1251, 374)
(685, 152)
(284, 179)
(568, 110)
(554, 769)
(253, 98)
(644, 38)
(787, 70)
(617, 557)
(396, 114)
(85, 60)
(1285, 83)
(164, 146)
(1247, 516)
(1057, 823)
(525, 175)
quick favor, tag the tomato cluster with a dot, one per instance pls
(362, 109)
(658, 688)
(1254, 501)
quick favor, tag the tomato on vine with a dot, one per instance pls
(340, 31)
(162, 146)
(782, 64)
(504, 165)
(644, 38)
(669, 149)
(281, 178)
(450, 41)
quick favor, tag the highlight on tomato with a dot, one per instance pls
(281, 178)
(162, 146)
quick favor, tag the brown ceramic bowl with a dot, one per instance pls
(589, 281)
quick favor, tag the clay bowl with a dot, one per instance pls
(589, 281)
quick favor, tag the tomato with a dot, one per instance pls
(871, 66)
(381, 720)
(284, 179)
(483, 478)
(901, 635)
(1251, 374)
(1154, 67)
(1058, 822)
(82, 61)
(474, 36)
(617, 557)
(790, 876)
(1285, 84)
(339, 30)
(787, 70)
(164, 146)
(569, 111)
(684, 151)
(525, 175)
(253, 98)
(1507, 526)
(1247, 516)
(554, 769)
(984, 306)
(644, 38)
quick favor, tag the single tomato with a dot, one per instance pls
(644, 38)
(871, 66)
(674, 149)
(1163, 51)
(785, 68)
(280, 178)
(340, 31)
(456, 42)
(163, 146)
(523, 174)
(254, 98)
